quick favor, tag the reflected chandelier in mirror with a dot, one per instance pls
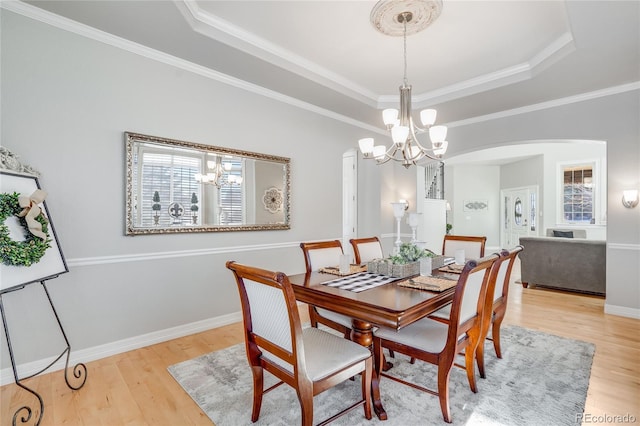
(175, 186)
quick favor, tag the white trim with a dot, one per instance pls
(141, 257)
(549, 104)
(101, 36)
(138, 257)
(619, 246)
(622, 311)
(144, 51)
(118, 347)
(555, 51)
(216, 28)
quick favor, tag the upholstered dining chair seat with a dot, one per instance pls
(335, 317)
(324, 354)
(425, 334)
(443, 313)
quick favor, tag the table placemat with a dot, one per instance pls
(353, 269)
(429, 283)
(360, 282)
(452, 268)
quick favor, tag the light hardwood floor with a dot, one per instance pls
(135, 388)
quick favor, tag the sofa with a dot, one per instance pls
(573, 264)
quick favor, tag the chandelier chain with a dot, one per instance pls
(405, 50)
(405, 147)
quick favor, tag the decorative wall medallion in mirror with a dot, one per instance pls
(175, 186)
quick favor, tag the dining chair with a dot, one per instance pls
(499, 306)
(318, 255)
(496, 301)
(438, 343)
(366, 249)
(473, 246)
(309, 360)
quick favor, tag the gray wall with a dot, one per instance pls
(613, 119)
(473, 183)
(66, 101)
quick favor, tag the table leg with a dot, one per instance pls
(362, 333)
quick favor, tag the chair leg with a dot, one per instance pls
(496, 335)
(470, 353)
(480, 359)
(312, 316)
(469, 363)
(258, 390)
(443, 391)
(366, 387)
(305, 395)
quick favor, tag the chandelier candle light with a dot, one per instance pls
(412, 16)
(216, 173)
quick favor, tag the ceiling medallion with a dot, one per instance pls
(410, 17)
(387, 15)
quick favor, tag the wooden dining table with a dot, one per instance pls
(389, 305)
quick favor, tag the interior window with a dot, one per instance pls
(578, 194)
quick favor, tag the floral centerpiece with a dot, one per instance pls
(403, 264)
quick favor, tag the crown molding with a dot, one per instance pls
(75, 27)
(218, 29)
(57, 21)
(551, 54)
(549, 104)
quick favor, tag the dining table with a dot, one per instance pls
(388, 305)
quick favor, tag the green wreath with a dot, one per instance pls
(20, 253)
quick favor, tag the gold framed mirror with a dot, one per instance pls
(175, 186)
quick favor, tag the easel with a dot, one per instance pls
(16, 277)
(79, 370)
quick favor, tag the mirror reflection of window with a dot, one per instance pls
(232, 201)
(168, 175)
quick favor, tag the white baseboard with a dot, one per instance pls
(114, 348)
(622, 311)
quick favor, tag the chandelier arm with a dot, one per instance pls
(418, 144)
(385, 160)
(411, 150)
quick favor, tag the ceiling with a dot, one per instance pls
(477, 58)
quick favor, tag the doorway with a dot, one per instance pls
(349, 198)
(519, 207)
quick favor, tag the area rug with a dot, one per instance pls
(542, 379)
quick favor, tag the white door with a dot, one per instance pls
(433, 227)
(349, 199)
(519, 210)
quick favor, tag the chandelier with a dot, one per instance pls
(413, 16)
(218, 174)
